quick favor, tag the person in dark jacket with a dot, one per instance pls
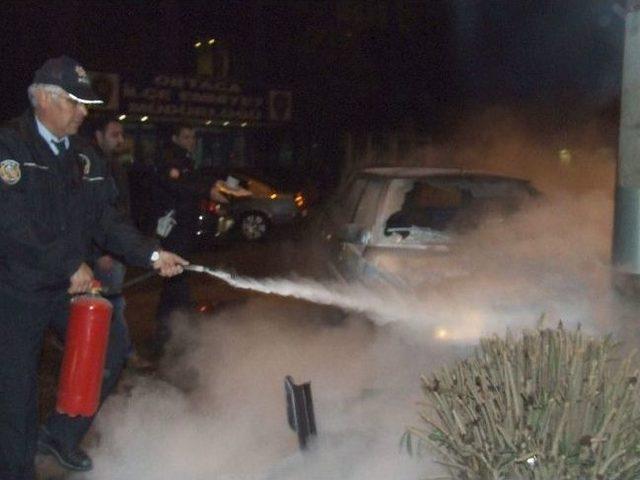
(109, 138)
(141, 176)
(55, 208)
(177, 190)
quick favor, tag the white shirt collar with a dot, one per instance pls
(49, 137)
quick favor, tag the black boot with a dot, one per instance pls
(71, 458)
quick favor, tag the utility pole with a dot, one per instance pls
(626, 235)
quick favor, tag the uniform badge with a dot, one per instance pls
(82, 75)
(86, 164)
(10, 171)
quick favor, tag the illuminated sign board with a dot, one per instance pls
(174, 97)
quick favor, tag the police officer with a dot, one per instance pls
(55, 205)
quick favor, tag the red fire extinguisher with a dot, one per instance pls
(85, 350)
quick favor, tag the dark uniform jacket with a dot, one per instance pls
(53, 209)
(178, 185)
(178, 188)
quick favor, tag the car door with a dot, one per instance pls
(400, 253)
(426, 252)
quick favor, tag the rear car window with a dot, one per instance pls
(456, 205)
(428, 206)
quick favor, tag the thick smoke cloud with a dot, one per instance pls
(227, 421)
(217, 408)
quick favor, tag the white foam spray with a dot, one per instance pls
(355, 297)
(551, 259)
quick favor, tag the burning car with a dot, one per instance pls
(387, 218)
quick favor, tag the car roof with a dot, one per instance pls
(424, 172)
(407, 172)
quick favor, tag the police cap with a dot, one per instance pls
(68, 74)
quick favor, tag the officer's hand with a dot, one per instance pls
(81, 280)
(169, 264)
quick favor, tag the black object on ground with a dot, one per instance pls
(300, 410)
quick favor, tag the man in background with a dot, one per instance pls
(109, 138)
(177, 190)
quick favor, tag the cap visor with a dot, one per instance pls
(88, 101)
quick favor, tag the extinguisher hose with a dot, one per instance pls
(130, 283)
(152, 273)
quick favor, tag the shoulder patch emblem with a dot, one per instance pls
(10, 171)
(86, 163)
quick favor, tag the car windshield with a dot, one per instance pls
(258, 184)
(257, 187)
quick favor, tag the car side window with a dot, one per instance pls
(427, 206)
(259, 189)
(489, 202)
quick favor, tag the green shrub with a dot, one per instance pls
(551, 405)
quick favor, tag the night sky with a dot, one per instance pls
(356, 64)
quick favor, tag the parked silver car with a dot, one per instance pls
(386, 219)
(264, 207)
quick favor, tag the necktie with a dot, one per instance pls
(61, 146)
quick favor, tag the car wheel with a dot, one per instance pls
(254, 226)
